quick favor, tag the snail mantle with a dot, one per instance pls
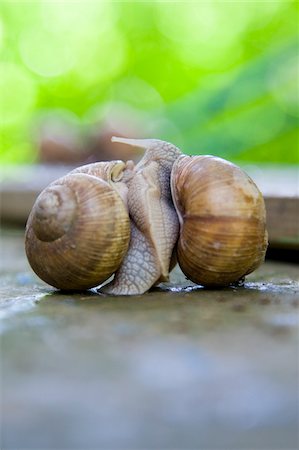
(137, 221)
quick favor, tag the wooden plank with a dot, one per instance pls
(280, 188)
(15, 205)
(20, 186)
(283, 221)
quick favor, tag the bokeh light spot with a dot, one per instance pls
(283, 85)
(45, 53)
(77, 18)
(1, 34)
(105, 62)
(137, 92)
(256, 125)
(201, 35)
(18, 93)
(262, 13)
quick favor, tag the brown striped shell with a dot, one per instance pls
(78, 230)
(222, 218)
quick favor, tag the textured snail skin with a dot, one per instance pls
(78, 231)
(222, 218)
(154, 223)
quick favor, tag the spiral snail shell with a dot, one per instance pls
(222, 218)
(64, 248)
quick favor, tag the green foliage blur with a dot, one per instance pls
(215, 77)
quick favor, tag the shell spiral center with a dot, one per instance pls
(55, 212)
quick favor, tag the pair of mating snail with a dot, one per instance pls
(135, 221)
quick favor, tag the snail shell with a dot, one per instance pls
(222, 218)
(78, 230)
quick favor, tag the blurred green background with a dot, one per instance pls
(212, 77)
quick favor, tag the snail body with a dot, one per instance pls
(154, 223)
(222, 218)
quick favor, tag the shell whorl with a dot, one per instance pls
(88, 245)
(222, 218)
(55, 211)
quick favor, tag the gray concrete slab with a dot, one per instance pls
(180, 367)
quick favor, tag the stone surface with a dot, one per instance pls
(178, 368)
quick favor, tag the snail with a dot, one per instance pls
(222, 219)
(107, 218)
(78, 230)
(138, 218)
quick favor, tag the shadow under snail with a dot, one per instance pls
(134, 221)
